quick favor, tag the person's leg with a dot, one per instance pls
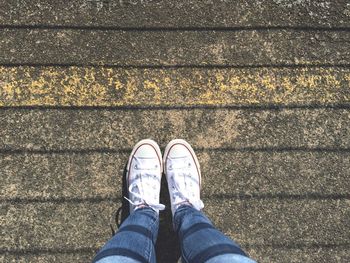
(134, 242)
(200, 240)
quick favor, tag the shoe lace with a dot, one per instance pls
(195, 202)
(143, 181)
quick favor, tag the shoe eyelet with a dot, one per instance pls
(135, 166)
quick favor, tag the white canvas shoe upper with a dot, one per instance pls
(182, 171)
(144, 173)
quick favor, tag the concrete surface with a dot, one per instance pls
(93, 129)
(261, 89)
(181, 13)
(155, 48)
(106, 86)
(289, 174)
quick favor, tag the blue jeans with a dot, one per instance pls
(200, 240)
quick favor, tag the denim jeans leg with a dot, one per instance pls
(134, 242)
(202, 242)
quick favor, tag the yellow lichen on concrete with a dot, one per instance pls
(100, 86)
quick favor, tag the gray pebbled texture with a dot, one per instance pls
(169, 48)
(181, 13)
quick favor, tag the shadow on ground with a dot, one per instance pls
(167, 246)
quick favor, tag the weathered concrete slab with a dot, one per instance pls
(264, 254)
(275, 179)
(62, 177)
(46, 256)
(282, 222)
(36, 178)
(138, 48)
(75, 86)
(302, 254)
(285, 175)
(66, 226)
(117, 130)
(183, 13)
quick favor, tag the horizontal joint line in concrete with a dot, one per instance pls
(99, 199)
(219, 149)
(85, 250)
(182, 107)
(179, 66)
(167, 28)
(281, 196)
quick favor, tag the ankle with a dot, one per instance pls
(181, 204)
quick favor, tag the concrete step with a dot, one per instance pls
(294, 175)
(253, 223)
(259, 88)
(43, 256)
(299, 254)
(274, 254)
(174, 48)
(116, 87)
(182, 13)
(115, 130)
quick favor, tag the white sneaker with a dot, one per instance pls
(182, 171)
(143, 176)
